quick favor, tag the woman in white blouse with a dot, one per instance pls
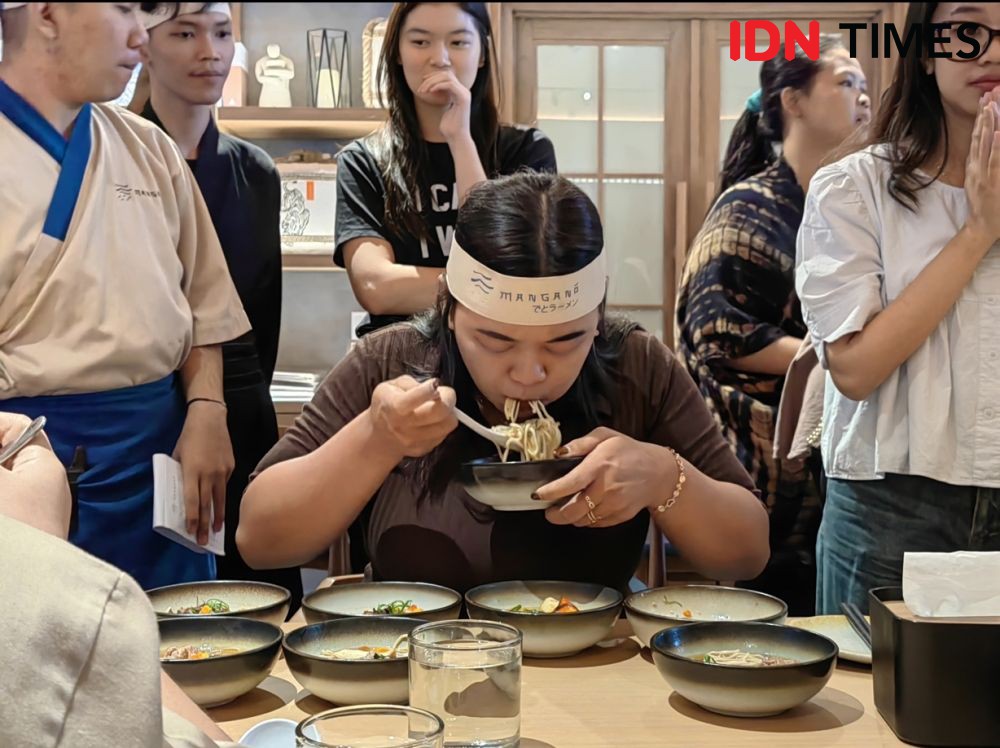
(898, 271)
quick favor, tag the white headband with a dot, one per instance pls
(165, 12)
(514, 300)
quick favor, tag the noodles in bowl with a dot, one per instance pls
(741, 658)
(742, 668)
(509, 485)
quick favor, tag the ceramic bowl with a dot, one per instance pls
(257, 600)
(554, 634)
(744, 691)
(219, 680)
(507, 486)
(436, 603)
(350, 682)
(653, 610)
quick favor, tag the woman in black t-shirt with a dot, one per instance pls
(398, 190)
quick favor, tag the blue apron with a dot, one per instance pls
(119, 431)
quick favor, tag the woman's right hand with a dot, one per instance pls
(412, 418)
(33, 486)
(982, 171)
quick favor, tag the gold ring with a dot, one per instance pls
(592, 517)
(590, 502)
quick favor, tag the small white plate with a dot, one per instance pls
(839, 629)
(274, 733)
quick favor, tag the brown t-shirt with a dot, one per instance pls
(454, 540)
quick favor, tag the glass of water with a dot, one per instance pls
(468, 673)
(371, 726)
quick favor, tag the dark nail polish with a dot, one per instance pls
(536, 497)
(561, 452)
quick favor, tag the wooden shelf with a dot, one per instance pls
(255, 123)
(308, 261)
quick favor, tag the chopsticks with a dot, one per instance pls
(858, 623)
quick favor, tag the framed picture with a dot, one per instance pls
(308, 207)
(371, 48)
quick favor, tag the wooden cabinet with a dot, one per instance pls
(613, 97)
(588, 75)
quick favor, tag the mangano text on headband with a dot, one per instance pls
(514, 300)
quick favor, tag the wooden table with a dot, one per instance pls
(614, 698)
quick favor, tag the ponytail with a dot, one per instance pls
(751, 147)
(750, 151)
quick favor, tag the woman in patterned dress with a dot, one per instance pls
(738, 321)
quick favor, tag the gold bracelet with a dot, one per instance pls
(681, 478)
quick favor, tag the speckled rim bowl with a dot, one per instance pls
(257, 600)
(744, 691)
(350, 600)
(553, 634)
(648, 612)
(351, 682)
(219, 680)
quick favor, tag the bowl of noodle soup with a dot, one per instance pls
(650, 611)
(507, 486)
(743, 669)
(352, 661)
(526, 463)
(216, 659)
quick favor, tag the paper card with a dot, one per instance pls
(169, 518)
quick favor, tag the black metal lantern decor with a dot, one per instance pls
(329, 68)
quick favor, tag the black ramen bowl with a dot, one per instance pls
(218, 680)
(507, 486)
(351, 682)
(740, 691)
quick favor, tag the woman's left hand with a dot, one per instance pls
(618, 478)
(455, 120)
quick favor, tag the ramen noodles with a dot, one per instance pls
(536, 438)
(740, 658)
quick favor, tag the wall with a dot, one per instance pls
(317, 304)
(315, 320)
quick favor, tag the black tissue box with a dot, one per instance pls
(936, 683)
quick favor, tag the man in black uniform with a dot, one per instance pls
(188, 57)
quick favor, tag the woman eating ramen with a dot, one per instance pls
(520, 317)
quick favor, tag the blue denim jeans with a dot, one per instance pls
(868, 525)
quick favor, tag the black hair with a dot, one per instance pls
(911, 119)
(527, 225)
(751, 148)
(399, 147)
